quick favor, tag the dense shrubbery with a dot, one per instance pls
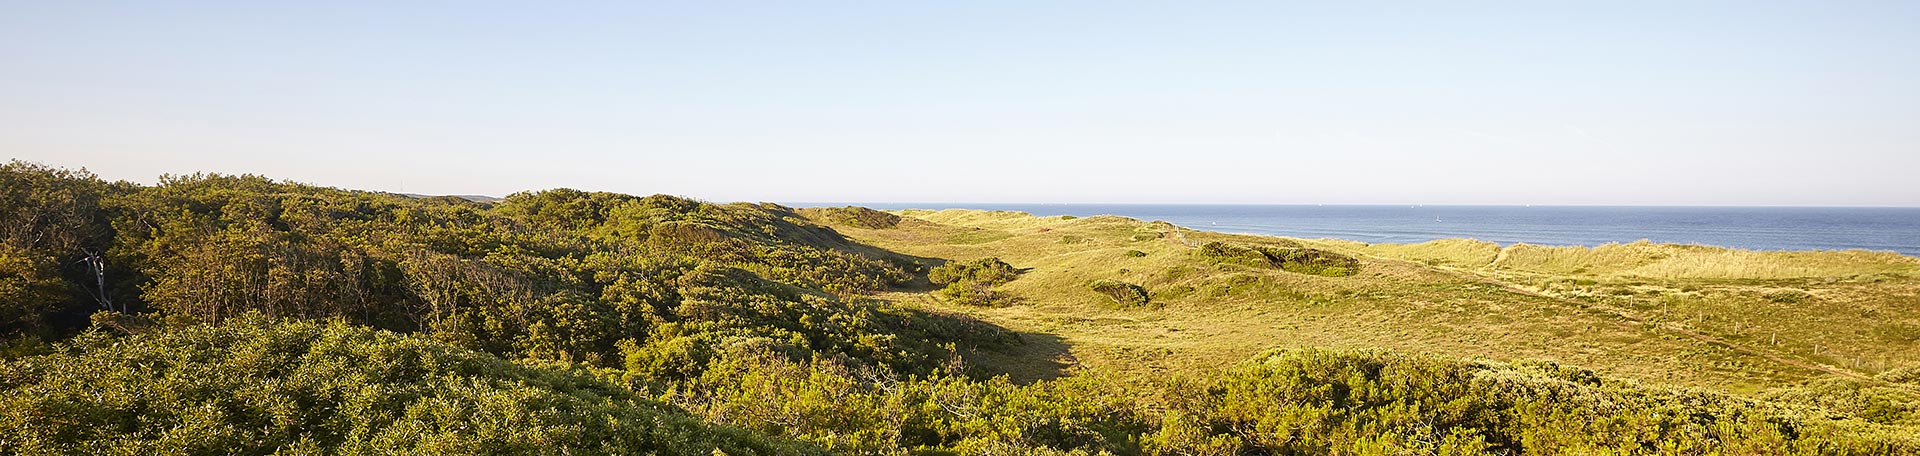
(1324, 402)
(1889, 400)
(1294, 402)
(247, 386)
(972, 282)
(1295, 259)
(1123, 294)
(306, 388)
(859, 411)
(51, 225)
(559, 275)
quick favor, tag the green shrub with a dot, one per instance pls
(1293, 259)
(1221, 252)
(988, 271)
(972, 282)
(1122, 293)
(1135, 254)
(1876, 402)
(974, 294)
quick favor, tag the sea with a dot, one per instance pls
(1751, 228)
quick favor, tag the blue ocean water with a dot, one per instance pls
(1754, 228)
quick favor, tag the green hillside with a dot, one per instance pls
(1687, 315)
(215, 314)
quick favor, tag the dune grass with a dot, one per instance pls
(1644, 259)
(1685, 315)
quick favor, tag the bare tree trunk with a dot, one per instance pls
(98, 264)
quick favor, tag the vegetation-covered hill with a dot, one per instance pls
(653, 283)
(1689, 315)
(219, 314)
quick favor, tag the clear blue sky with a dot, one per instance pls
(1769, 103)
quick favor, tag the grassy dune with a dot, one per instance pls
(1644, 259)
(1727, 319)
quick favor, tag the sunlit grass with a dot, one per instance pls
(1445, 297)
(1650, 260)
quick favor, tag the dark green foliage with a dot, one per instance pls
(972, 282)
(1135, 254)
(859, 217)
(22, 346)
(1123, 294)
(1294, 259)
(307, 388)
(559, 275)
(1221, 252)
(51, 222)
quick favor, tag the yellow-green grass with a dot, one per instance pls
(1644, 259)
(1840, 308)
(1668, 314)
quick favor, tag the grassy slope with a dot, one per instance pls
(1695, 316)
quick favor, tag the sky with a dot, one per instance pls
(1606, 102)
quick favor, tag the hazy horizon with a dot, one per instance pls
(961, 204)
(964, 204)
(1647, 104)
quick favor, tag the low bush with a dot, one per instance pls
(987, 271)
(974, 294)
(1293, 259)
(1122, 293)
(972, 282)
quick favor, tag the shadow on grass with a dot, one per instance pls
(1038, 357)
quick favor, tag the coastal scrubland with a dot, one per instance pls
(1752, 321)
(217, 314)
